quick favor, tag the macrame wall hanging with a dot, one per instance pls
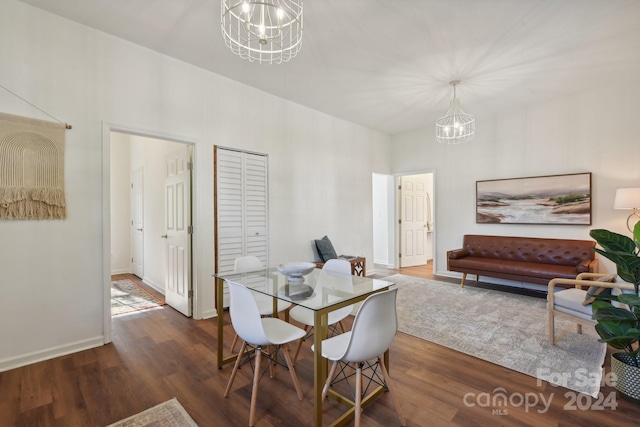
(31, 166)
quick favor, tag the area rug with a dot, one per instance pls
(504, 328)
(127, 297)
(167, 414)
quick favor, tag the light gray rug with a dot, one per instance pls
(167, 414)
(507, 329)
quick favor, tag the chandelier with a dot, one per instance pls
(265, 31)
(456, 126)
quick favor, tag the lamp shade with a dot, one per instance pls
(627, 198)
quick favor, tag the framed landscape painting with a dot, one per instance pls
(554, 199)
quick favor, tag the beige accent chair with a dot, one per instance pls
(569, 302)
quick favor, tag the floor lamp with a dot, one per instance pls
(628, 198)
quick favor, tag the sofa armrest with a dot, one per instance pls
(457, 253)
(588, 265)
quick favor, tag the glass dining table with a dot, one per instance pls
(321, 292)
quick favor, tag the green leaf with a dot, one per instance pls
(617, 341)
(613, 242)
(629, 299)
(622, 342)
(613, 314)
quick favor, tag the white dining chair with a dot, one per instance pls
(265, 302)
(268, 333)
(339, 271)
(370, 337)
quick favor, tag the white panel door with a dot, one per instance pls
(413, 220)
(137, 223)
(178, 285)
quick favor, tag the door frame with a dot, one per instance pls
(397, 214)
(107, 128)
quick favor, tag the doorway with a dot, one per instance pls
(135, 177)
(392, 241)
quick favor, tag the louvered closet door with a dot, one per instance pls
(241, 214)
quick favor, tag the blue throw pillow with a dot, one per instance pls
(325, 249)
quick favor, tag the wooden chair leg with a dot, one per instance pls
(464, 277)
(234, 342)
(235, 369)
(552, 337)
(298, 347)
(579, 328)
(332, 373)
(358, 407)
(387, 379)
(272, 363)
(254, 389)
(292, 371)
(342, 328)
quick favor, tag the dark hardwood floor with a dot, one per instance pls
(159, 354)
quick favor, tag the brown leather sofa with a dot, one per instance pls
(522, 259)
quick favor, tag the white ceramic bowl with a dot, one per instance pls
(296, 269)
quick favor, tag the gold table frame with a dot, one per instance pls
(320, 333)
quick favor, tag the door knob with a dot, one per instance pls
(139, 229)
(164, 236)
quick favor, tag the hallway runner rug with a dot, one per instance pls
(127, 297)
(503, 328)
(167, 414)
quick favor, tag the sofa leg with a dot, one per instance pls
(464, 277)
(579, 328)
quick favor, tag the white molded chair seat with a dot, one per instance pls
(372, 333)
(568, 303)
(265, 302)
(340, 269)
(258, 332)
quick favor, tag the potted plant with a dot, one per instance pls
(617, 325)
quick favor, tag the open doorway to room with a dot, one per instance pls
(150, 222)
(403, 222)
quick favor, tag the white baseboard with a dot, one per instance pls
(50, 353)
(209, 314)
(154, 285)
(125, 271)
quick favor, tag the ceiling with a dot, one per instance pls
(387, 64)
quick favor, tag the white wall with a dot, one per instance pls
(382, 219)
(588, 132)
(320, 171)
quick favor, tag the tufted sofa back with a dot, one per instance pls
(530, 249)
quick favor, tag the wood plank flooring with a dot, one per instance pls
(159, 354)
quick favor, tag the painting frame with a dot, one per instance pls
(539, 200)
